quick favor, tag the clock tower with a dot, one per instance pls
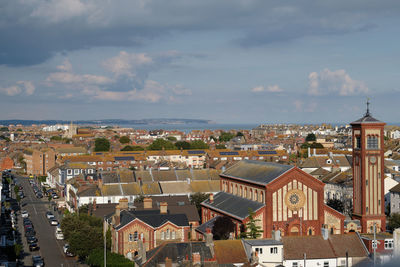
(368, 176)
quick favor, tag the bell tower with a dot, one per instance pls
(368, 176)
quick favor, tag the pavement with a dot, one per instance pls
(51, 249)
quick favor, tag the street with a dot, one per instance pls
(50, 249)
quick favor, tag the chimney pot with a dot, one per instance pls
(147, 203)
(163, 207)
(211, 198)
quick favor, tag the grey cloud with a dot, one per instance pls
(33, 30)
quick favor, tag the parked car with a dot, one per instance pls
(67, 252)
(33, 247)
(49, 215)
(37, 261)
(31, 239)
(30, 233)
(53, 222)
(24, 214)
(54, 195)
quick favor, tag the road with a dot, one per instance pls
(50, 249)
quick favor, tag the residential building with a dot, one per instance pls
(39, 161)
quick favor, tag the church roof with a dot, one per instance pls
(232, 205)
(256, 171)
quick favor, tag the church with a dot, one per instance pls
(285, 198)
(282, 197)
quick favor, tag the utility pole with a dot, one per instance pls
(105, 242)
(374, 244)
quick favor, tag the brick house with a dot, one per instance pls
(151, 227)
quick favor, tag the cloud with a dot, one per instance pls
(181, 90)
(336, 82)
(26, 87)
(34, 30)
(126, 64)
(302, 106)
(270, 88)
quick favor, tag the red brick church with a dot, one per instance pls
(283, 197)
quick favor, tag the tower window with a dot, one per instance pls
(358, 142)
(372, 142)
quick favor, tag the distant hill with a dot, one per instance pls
(106, 122)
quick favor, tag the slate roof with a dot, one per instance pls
(256, 171)
(209, 224)
(177, 252)
(175, 187)
(152, 217)
(366, 119)
(151, 188)
(232, 205)
(109, 177)
(262, 242)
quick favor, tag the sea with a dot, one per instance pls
(188, 127)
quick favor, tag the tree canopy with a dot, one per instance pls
(220, 146)
(225, 137)
(253, 230)
(132, 148)
(182, 145)
(171, 138)
(198, 144)
(101, 145)
(124, 139)
(311, 137)
(336, 204)
(197, 198)
(222, 228)
(159, 144)
(394, 221)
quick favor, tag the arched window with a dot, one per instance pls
(231, 188)
(245, 193)
(236, 189)
(162, 235)
(130, 238)
(168, 234)
(255, 195)
(141, 236)
(135, 236)
(241, 191)
(261, 197)
(251, 194)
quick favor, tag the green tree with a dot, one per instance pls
(253, 230)
(220, 146)
(197, 198)
(198, 144)
(4, 129)
(225, 137)
(101, 145)
(19, 130)
(124, 139)
(132, 148)
(96, 259)
(239, 134)
(222, 228)
(171, 138)
(311, 137)
(182, 145)
(159, 144)
(56, 138)
(394, 221)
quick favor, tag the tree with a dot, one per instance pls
(96, 259)
(220, 146)
(101, 145)
(182, 145)
(225, 137)
(253, 230)
(3, 129)
(394, 221)
(239, 134)
(171, 138)
(336, 204)
(124, 139)
(159, 144)
(56, 138)
(222, 228)
(197, 198)
(132, 148)
(311, 137)
(198, 144)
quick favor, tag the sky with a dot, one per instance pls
(230, 61)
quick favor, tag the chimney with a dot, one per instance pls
(168, 262)
(117, 214)
(163, 207)
(211, 198)
(209, 241)
(94, 204)
(123, 204)
(277, 235)
(147, 203)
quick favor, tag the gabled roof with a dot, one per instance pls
(232, 205)
(152, 217)
(230, 251)
(256, 171)
(395, 189)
